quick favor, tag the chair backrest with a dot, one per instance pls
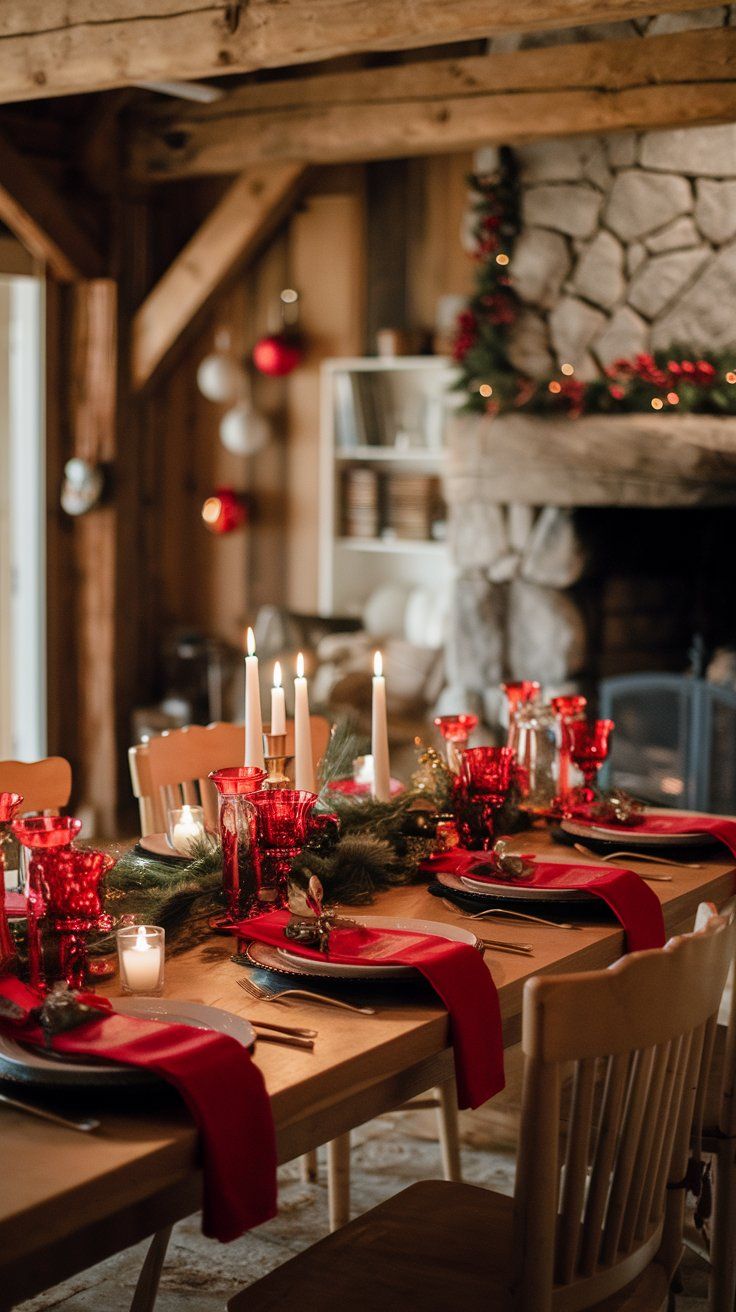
(44, 785)
(727, 1110)
(172, 769)
(592, 1208)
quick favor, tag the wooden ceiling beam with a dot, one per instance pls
(238, 225)
(42, 220)
(57, 49)
(449, 104)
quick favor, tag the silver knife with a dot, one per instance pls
(86, 1125)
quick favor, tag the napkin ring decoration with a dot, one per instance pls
(61, 1010)
(618, 805)
(508, 864)
(311, 922)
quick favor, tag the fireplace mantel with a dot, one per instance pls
(603, 460)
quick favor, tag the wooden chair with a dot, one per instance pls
(172, 769)
(44, 785)
(715, 1133)
(597, 1216)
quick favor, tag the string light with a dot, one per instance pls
(501, 258)
(730, 377)
(485, 389)
(673, 398)
(657, 403)
(567, 370)
(554, 387)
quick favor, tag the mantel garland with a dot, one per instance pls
(675, 380)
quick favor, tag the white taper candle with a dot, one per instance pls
(303, 763)
(253, 718)
(379, 735)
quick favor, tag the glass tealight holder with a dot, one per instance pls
(456, 730)
(536, 756)
(141, 959)
(185, 829)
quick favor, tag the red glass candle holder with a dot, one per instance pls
(9, 805)
(283, 817)
(240, 856)
(41, 833)
(588, 745)
(70, 885)
(480, 791)
(456, 730)
(518, 694)
(565, 708)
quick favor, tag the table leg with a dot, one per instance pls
(338, 1181)
(144, 1298)
(449, 1134)
(309, 1167)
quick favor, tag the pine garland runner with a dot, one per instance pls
(675, 380)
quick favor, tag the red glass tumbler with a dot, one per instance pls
(241, 873)
(480, 791)
(40, 833)
(9, 805)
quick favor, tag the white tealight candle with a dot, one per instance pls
(379, 735)
(186, 832)
(303, 763)
(253, 719)
(278, 704)
(141, 963)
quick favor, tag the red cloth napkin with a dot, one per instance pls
(456, 972)
(219, 1083)
(721, 826)
(632, 902)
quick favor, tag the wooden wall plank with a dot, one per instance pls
(244, 218)
(59, 48)
(449, 105)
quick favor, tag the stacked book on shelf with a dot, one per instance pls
(361, 503)
(389, 506)
(411, 506)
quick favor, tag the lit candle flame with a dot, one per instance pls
(378, 665)
(277, 674)
(141, 942)
(300, 666)
(250, 642)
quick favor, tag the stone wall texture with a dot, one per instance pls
(628, 241)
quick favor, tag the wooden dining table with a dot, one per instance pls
(68, 1200)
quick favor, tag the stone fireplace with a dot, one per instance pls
(585, 548)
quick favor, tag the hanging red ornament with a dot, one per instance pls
(279, 353)
(224, 511)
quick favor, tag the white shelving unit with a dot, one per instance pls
(350, 568)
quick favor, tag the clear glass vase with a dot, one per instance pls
(535, 737)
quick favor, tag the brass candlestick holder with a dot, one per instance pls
(276, 760)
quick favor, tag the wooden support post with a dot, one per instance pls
(244, 218)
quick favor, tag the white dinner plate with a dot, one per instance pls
(634, 837)
(511, 892)
(288, 960)
(32, 1066)
(159, 845)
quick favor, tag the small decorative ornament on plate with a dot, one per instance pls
(510, 864)
(617, 806)
(312, 923)
(63, 1010)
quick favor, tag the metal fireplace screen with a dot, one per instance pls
(675, 740)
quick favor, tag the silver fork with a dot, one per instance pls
(513, 915)
(642, 856)
(651, 879)
(266, 995)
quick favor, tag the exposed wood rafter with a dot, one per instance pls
(42, 219)
(449, 104)
(56, 49)
(243, 219)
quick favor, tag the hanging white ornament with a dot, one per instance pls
(243, 431)
(221, 376)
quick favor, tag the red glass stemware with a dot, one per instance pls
(9, 805)
(456, 730)
(566, 708)
(70, 885)
(481, 790)
(588, 746)
(41, 833)
(283, 818)
(240, 857)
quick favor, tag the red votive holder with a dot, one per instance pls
(240, 856)
(456, 730)
(70, 884)
(41, 833)
(565, 708)
(9, 805)
(480, 791)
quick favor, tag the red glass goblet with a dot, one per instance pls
(240, 857)
(481, 790)
(283, 823)
(456, 730)
(9, 805)
(566, 709)
(41, 833)
(70, 883)
(588, 745)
